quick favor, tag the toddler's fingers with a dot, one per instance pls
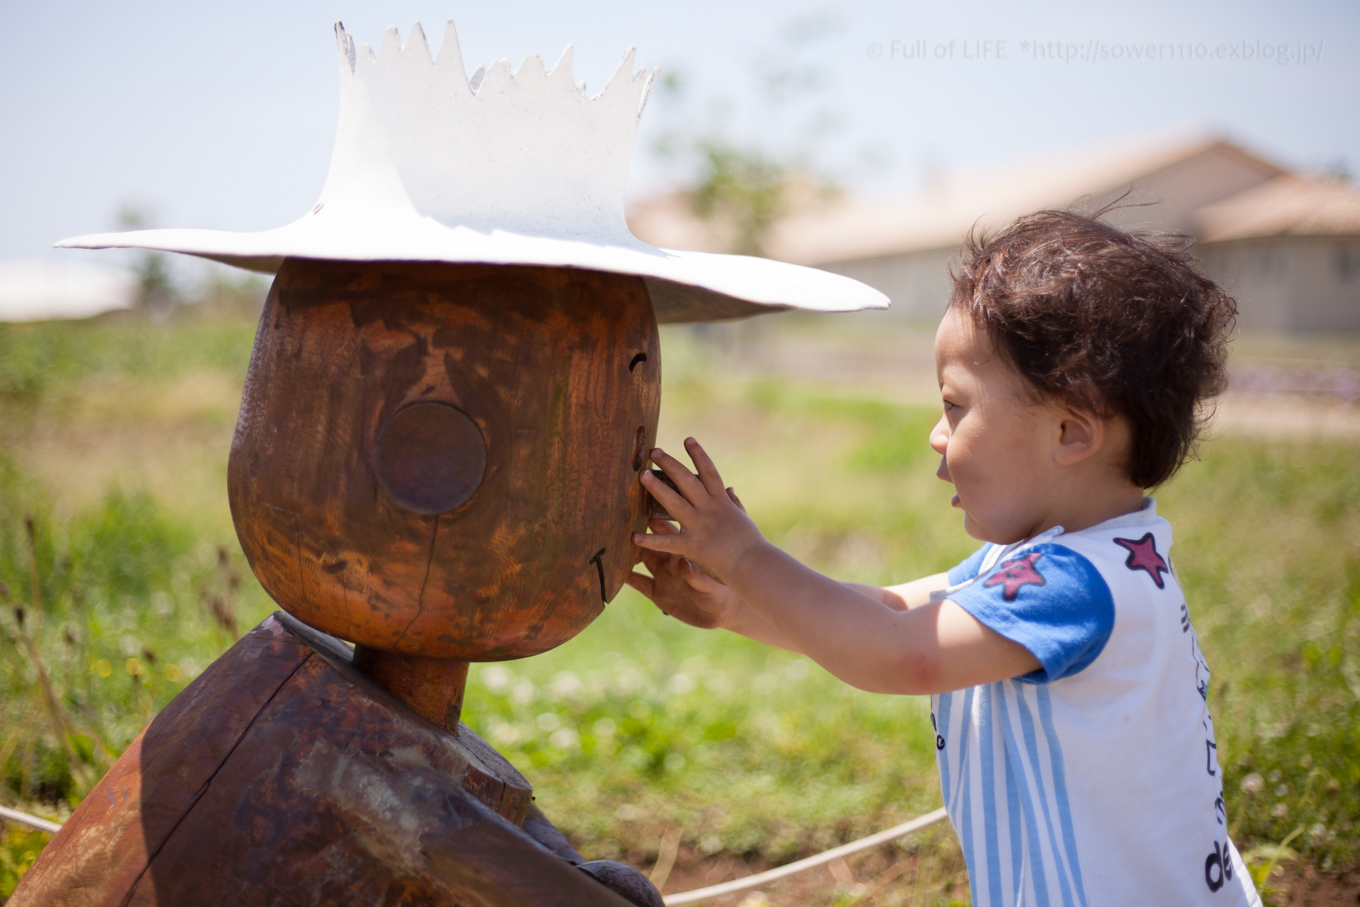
(697, 579)
(654, 560)
(663, 527)
(686, 482)
(658, 562)
(643, 584)
(732, 494)
(703, 464)
(671, 500)
(667, 544)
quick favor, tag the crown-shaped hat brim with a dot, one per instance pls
(512, 168)
(684, 286)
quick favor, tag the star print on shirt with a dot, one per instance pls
(1016, 573)
(1143, 556)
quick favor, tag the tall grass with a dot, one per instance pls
(640, 729)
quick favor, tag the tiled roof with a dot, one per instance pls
(857, 227)
(1287, 205)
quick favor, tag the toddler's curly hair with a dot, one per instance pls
(1119, 323)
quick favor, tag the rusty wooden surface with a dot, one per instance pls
(282, 776)
(103, 849)
(431, 687)
(340, 464)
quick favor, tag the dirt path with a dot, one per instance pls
(891, 875)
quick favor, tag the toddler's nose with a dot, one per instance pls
(939, 442)
(939, 435)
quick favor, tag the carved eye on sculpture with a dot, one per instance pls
(640, 440)
(640, 448)
(430, 457)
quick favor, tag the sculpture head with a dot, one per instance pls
(456, 376)
(441, 460)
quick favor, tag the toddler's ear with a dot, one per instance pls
(1082, 433)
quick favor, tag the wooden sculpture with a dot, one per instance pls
(439, 463)
(454, 386)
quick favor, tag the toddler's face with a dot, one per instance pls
(993, 438)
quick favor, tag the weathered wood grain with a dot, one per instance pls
(104, 847)
(431, 687)
(438, 462)
(283, 776)
(557, 369)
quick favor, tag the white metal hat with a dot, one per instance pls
(517, 168)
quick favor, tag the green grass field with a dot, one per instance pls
(114, 438)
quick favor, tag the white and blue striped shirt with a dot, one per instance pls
(1095, 779)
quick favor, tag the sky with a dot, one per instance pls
(222, 115)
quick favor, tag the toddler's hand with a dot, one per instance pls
(681, 589)
(715, 532)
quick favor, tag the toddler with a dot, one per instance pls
(1068, 694)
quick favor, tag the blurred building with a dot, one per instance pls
(1287, 245)
(1290, 249)
(62, 287)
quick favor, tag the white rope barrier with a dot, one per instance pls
(684, 897)
(779, 872)
(24, 819)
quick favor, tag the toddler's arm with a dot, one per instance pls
(859, 634)
(905, 596)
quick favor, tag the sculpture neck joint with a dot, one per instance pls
(431, 687)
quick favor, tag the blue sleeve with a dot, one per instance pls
(1049, 599)
(969, 567)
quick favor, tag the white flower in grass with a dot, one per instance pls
(1253, 783)
(717, 681)
(597, 684)
(565, 739)
(162, 604)
(680, 684)
(496, 677)
(523, 692)
(563, 686)
(629, 680)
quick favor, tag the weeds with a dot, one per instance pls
(645, 739)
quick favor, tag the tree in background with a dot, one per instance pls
(209, 291)
(156, 291)
(740, 191)
(742, 187)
